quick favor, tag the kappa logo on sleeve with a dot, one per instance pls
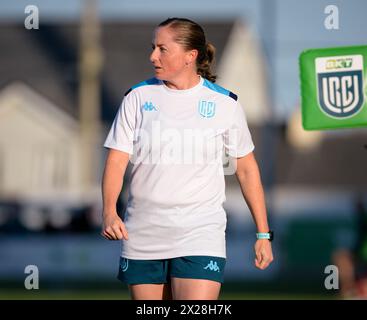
(148, 106)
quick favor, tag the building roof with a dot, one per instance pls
(47, 59)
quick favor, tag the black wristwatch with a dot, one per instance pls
(265, 235)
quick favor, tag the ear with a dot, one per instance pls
(191, 56)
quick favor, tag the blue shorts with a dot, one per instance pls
(160, 271)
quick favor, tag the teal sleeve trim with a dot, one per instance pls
(141, 84)
(219, 89)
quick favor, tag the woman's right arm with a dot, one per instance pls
(113, 176)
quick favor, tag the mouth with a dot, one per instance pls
(156, 68)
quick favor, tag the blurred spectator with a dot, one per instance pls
(352, 264)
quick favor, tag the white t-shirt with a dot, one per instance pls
(177, 139)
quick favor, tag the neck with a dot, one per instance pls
(183, 83)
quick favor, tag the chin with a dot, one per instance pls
(160, 77)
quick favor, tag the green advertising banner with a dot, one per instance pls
(334, 87)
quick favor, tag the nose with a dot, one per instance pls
(153, 56)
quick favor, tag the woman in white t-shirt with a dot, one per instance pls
(174, 129)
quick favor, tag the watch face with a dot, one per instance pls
(271, 235)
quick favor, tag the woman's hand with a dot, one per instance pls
(113, 227)
(264, 254)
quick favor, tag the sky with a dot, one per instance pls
(284, 27)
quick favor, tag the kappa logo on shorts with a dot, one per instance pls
(206, 108)
(124, 264)
(212, 266)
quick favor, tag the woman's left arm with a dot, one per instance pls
(248, 175)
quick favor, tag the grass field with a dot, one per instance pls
(16, 294)
(61, 290)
